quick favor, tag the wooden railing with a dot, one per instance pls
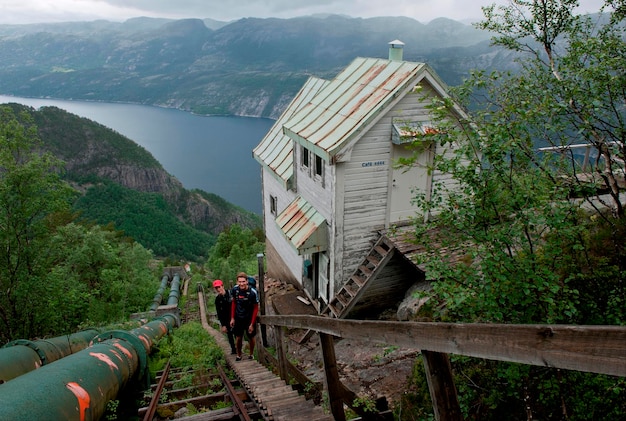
(595, 349)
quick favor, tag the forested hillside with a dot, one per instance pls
(122, 184)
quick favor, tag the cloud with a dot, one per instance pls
(31, 11)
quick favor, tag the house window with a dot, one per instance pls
(319, 166)
(273, 205)
(305, 157)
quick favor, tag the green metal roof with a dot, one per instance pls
(275, 151)
(304, 227)
(349, 103)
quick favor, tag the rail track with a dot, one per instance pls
(249, 392)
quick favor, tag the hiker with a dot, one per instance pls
(244, 310)
(223, 303)
(252, 284)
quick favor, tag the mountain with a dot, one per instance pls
(249, 67)
(122, 183)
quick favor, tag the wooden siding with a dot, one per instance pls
(284, 262)
(367, 189)
(366, 181)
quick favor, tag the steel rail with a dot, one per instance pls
(239, 408)
(154, 402)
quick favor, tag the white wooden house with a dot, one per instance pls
(330, 189)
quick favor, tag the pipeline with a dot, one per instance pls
(22, 356)
(174, 291)
(79, 386)
(156, 302)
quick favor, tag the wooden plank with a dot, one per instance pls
(595, 349)
(283, 390)
(441, 386)
(332, 377)
(295, 372)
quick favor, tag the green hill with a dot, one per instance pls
(122, 184)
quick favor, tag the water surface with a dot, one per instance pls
(204, 152)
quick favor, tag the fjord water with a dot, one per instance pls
(204, 152)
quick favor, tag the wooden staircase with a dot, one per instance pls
(347, 297)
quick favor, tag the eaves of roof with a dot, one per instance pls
(304, 227)
(275, 151)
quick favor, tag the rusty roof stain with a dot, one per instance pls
(345, 107)
(303, 226)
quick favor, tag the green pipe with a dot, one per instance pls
(21, 356)
(143, 338)
(79, 386)
(156, 301)
(174, 290)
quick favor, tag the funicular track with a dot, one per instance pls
(255, 393)
(168, 396)
(242, 408)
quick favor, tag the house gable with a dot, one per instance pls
(352, 101)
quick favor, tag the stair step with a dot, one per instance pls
(381, 250)
(342, 299)
(351, 288)
(357, 280)
(367, 271)
(375, 261)
(337, 305)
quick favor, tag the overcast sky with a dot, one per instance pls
(35, 11)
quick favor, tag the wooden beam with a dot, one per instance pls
(335, 388)
(441, 386)
(280, 354)
(595, 349)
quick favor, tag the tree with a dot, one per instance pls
(534, 236)
(531, 225)
(235, 251)
(55, 274)
(31, 196)
(95, 276)
(573, 73)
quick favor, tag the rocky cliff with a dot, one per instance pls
(92, 152)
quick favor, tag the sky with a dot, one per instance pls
(38, 11)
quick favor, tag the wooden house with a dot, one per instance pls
(331, 192)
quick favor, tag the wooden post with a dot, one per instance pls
(283, 371)
(261, 291)
(441, 386)
(335, 388)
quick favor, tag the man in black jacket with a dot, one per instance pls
(223, 301)
(243, 314)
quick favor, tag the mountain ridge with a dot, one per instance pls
(248, 67)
